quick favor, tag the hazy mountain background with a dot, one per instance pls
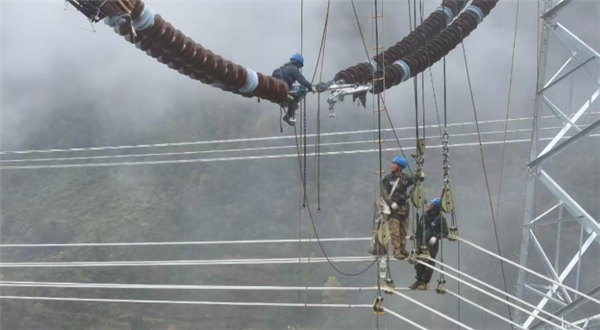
(64, 86)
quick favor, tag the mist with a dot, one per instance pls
(66, 86)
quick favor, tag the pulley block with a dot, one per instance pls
(418, 198)
(447, 200)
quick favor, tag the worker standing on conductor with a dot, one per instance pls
(394, 188)
(435, 227)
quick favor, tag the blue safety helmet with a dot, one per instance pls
(400, 161)
(298, 58)
(437, 203)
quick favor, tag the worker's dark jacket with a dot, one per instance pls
(290, 73)
(400, 195)
(435, 226)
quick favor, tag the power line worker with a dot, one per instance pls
(290, 73)
(436, 228)
(394, 192)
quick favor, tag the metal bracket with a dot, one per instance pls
(340, 91)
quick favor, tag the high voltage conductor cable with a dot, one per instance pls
(77, 285)
(461, 298)
(267, 157)
(200, 152)
(257, 139)
(414, 324)
(498, 291)
(184, 302)
(530, 271)
(444, 316)
(507, 302)
(233, 242)
(216, 262)
(120, 286)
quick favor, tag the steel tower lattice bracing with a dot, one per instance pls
(582, 59)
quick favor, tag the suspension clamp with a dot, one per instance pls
(441, 287)
(389, 286)
(425, 255)
(377, 306)
(412, 257)
(453, 234)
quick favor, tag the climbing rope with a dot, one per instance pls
(321, 64)
(304, 144)
(303, 188)
(485, 174)
(306, 203)
(510, 89)
(362, 36)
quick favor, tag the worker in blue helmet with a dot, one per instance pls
(394, 188)
(431, 228)
(290, 73)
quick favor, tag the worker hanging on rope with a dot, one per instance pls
(436, 228)
(394, 188)
(290, 73)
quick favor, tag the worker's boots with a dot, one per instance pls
(422, 286)
(415, 285)
(290, 116)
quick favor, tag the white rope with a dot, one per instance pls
(489, 294)
(480, 282)
(460, 324)
(200, 152)
(416, 325)
(485, 309)
(233, 242)
(268, 157)
(74, 285)
(531, 271)
(268, 138)
(183, 302)
(271, 261)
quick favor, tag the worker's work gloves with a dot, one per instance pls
(432, 241)
(395, 206)
(420, 175)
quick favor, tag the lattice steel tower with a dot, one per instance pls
(581, 68)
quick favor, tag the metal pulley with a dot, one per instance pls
(447, 200)
(418, 198)
(383, 233)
